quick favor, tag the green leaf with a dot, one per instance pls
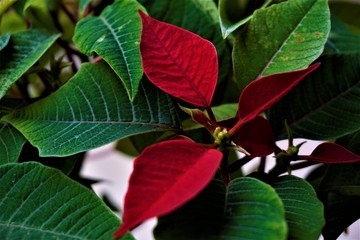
(13, 23)
(9, 104)
(11, 143)
(23, 50)
(304, 211)
(281, 38)
(134, 145)
(90, 110)
(4, 40)
(39, 12)
(343, 179)
(325, 104)
(39, 202)
(5, 4)
(234, 14)
(341, 212)
(83, 4)
(252, 211)
(198, 16)
(347, 11)
(221, 112)
(341, 38)
(115, 36)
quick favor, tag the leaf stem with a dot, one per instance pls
(211, 114)
(224, 168)
(236, 127)
(262, 164)
(70, 16)
(239, 163)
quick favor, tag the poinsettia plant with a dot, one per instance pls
(194, 90)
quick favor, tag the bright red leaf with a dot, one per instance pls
(332, 153)
(179, 62)
(264, 92)
(166, 175)
(256, 137)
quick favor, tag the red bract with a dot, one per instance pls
(262, 93)
(179, 62)
(199, 117)
(166, 175)
(256, 137)
(332, 153)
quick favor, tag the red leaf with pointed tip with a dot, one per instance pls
(332, 153)
(263, 92)
(166, 175)
(256, 137)
(199, 117)
(179, 62)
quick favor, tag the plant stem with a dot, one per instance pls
(262, 164)
(70, 16)
(211, 114)
(224, 168)
(301, 165)
(239, 163)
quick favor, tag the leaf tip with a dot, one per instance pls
(120, 232)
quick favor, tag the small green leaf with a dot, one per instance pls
(115, 36)
(39, 202)
(281, 38)
(83, 4)
(253, 210)
(4, 40)
(234, 14)
(328, 95)
(11, 143)
(39, 12)
(23, 50)
(304, 211)
(222, 112)
(90, 110)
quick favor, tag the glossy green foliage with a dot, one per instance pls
(11, 142)
(4, 5)
(247, 209)
(4, 40)
(283, 37)
(342, 39)
(38, 202)
(304, 211)
(234, 14)
(323, 97)
(23, 50)
(71, 80)
(115, 36)
(91, 110)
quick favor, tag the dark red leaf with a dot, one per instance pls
(263, 92)
(166, 175)
(332, 153)
(179, 62)
(199, 117)
(256, 137)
